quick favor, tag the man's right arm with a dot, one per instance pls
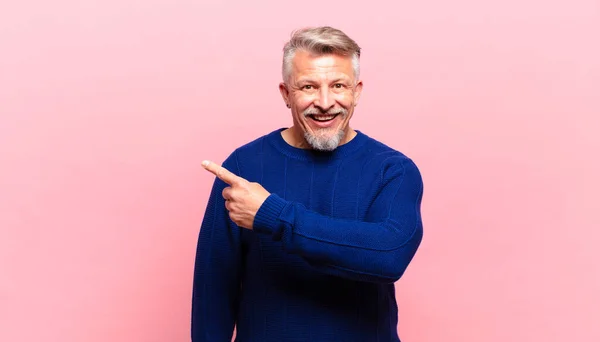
(217, 270)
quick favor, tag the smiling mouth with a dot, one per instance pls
(323, 118)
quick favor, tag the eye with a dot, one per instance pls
(338, 85)
(307, 87)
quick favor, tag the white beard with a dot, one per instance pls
(322, 141)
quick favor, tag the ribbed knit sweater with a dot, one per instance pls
(337, 231)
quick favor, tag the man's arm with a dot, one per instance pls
(377, 251)
(217, 270)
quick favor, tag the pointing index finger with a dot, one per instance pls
(221, 172)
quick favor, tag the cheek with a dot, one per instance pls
(346, 99)
(303, 101)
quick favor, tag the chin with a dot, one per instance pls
(325, 141)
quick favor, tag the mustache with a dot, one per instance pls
(315, 111)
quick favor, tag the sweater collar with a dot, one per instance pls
(276, 139)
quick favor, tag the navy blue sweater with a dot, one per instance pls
(338, 229)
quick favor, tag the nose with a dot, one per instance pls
(324, 100)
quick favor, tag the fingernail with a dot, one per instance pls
(205, 163)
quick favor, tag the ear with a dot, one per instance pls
(285, 93)
(357, 92)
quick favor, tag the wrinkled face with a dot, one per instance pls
(322, 92)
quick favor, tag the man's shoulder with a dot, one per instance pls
(389, 161)
(249, 150)
(255, 146)
(383, 151)
(245, 158)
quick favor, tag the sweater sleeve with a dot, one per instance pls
(375, 250)
(217, 270)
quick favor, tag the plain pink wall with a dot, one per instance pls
(107, 109)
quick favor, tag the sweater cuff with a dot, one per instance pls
(267, 217)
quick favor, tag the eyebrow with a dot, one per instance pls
(342, 79)
(335, 80)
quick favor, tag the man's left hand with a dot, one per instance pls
(242, 198)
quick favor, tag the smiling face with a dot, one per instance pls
(322, 92)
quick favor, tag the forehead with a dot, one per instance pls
(305, 65)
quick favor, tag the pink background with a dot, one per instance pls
(107, 109)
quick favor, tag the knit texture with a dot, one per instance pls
(338, 229)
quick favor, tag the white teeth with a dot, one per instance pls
(323, 117)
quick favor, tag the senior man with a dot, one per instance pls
(308, 227)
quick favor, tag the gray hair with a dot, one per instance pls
(320, 40)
